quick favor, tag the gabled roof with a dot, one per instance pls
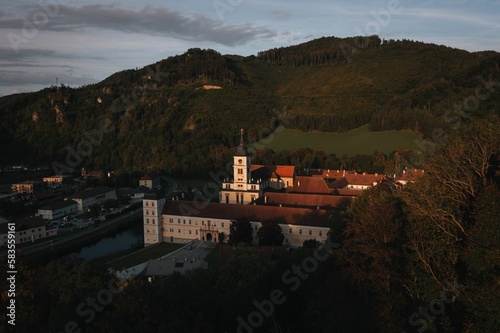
(329, 202)
(348, 192)
(310, 184)
(296, 216)
(282, 170)
(410, 175)
(150, 176)
(91, 192)
(58, 204)
(24, 224)
(363, 179)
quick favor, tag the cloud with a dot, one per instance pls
(19, 77)
(281, 14)
(148, 20)
(450, 16)
(31, 57)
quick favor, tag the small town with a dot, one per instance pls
(251, 167)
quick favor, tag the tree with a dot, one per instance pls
(270, 233)
(243, 271)
(441, 202)
(310, 243)
(373, 253)
(240, 231)
(481, 258)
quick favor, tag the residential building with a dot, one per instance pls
(94, 196)
(58, 209)
(409, 176)
(150, 180)
(29, 187)
(57, 180)
(26, 230)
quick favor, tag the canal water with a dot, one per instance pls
(123, 240)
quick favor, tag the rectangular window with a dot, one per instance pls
(290, 231)
(147, 220)
(184, 221)
(310, 232)
(152, 204)
(190, 232)
(179, 221)
(222, 224)
(300, 231)
(171, 220)
(189, 221)
(321, 233)
(179, 231)
(240, 171)
(202, 222)
(197, 232)
(147, 204)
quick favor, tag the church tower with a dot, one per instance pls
(241, 163)
(242, 189)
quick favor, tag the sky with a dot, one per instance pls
(83, 42)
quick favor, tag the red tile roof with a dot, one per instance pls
(298, 216)
(309, 184)
(410, 175)
(310, 200)
(282, 170)
(348, 192)
(363, 179)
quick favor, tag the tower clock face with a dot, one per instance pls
(240, 161)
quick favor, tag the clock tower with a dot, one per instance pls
(242, 189)
(241, 163)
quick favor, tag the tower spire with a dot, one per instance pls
(242, 149)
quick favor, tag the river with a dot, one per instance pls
(109, 245)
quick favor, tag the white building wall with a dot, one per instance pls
(152, 220)
(178, 229)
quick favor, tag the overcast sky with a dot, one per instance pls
(82, 42)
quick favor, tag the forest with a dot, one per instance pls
(164, 117)
(422, 258)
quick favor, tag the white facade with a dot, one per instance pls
(25, 231)
(243, 189)
(58, 210)
(91, 197)
(152, 207)
(181, 229)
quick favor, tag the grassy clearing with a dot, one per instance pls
(143, 255)
(358, 141)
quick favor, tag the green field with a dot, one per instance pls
(357, 141)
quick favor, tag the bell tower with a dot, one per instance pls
(241, 164)
(242, 189)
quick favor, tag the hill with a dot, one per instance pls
(183, 113)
